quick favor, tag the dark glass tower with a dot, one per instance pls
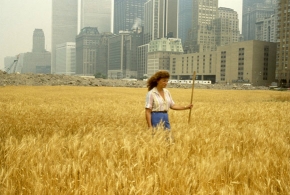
(128, 14)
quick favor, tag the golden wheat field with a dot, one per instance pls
(94, 140)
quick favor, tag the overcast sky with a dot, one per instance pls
(19, 18)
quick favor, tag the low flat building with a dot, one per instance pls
(241, 62)
(247, 62)
(203, 63)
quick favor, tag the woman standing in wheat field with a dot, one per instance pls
(159, 100)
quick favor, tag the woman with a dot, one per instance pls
(159, 100)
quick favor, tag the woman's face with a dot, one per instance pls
(162, 82)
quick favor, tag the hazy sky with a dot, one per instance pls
(19, 18)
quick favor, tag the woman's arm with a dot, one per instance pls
(148, 117)
(177, 107)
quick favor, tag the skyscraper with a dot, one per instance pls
(226, 26)
(202, 34)
(86, 51)
(64, 25)
(38, 41)
(160, 19)
(185, 19)
(283, 38)
(128, 14)
(96, 13)
(253, 11)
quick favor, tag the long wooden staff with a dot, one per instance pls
(193, 80)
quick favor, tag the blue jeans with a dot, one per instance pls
(157, 118)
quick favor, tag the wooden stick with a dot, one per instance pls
(193, 80)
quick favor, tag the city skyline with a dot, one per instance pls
(25, 16)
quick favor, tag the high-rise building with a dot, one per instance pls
(142, 61)
(122, 54)
(116, 55)
(38, 41)
(102, 54)
(86, 51)
(185, 19)
(128, 14)
(253, 11)
(132, 43)
(227, 29)
(64, 25)
(160, 19)
(96, 13)
(39, 60)
(202, 33)
(266, 29)
(66, 58)
(283, 39)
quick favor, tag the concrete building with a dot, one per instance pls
(249, 61)
(86, 51)
(159, 52)
(39, 60)
(252, 14)
(128, 15)
(34, 62)
(132, 43)
(203, 63)
(283, 39)
(142, 61)
(102, 54)
(266, 29)
(184, 19)
(226, 26)
(96, 13)
(202, 35)
(64, 25)
(66, 58)
(38, 41)
(241, 62)
(122, 54)
(160, 19)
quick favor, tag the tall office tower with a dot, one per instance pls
(142, 61)
(96, 13)
(283, 39)
(86, 51)
(122, 54)
(102, 54)
(132, 43)
(184, 19)
(202, 34)
(66, 58)
(266, 29)
(38, 41)
(128, 14)
(39, 60)
(160, 19)
(253, 11)
(116, 55)
(226, 26)
(64, 25)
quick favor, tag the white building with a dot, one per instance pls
(66, 58)
(159, 52)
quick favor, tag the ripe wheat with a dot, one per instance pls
(84, 140)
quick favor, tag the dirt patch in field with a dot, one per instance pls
(16, 79)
